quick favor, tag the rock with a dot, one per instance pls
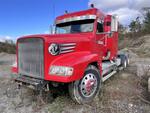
(143, 69)
(125, 75)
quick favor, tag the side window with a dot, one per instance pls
(100, 28)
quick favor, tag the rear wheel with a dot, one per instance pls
(128, 61)
(124, 61)
(84, 90)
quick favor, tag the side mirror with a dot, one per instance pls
(114, 23)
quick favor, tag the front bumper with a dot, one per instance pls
(32, 83)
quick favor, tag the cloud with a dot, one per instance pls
(4, 38)
(125, 14)
(109, 4)
(127, 10)
(139, 4)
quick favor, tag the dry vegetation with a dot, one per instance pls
(139, 45)
(7, 47)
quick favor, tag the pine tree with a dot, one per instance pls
(147, 22)
(132, 26)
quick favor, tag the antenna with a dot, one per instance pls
(53, 6)
(53, 17)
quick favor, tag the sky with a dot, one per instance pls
(24, 17)
(126, 10)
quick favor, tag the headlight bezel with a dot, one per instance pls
(61, 70)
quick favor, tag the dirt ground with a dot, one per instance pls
(123, 93)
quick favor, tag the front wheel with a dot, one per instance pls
(84, 90)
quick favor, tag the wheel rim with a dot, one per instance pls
(88, 85)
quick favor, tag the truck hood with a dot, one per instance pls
(58, 38)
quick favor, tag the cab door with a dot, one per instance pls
(101, 37)
(111, 26)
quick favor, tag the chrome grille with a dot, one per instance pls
(30, 57)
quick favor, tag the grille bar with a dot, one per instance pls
(68, 44)
(30, 57)
(68, 47)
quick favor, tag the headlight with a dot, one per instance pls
(61, 70)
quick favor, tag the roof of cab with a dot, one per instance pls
(92, 11)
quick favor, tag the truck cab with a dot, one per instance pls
(82, 52)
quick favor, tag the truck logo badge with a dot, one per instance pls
(54, 49)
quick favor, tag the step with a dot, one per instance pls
(108, 76)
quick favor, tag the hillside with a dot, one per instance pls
(139, 45)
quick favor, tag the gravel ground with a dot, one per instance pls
(122, 93)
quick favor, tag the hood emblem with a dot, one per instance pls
(54, 49)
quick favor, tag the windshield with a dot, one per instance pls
(81, 26)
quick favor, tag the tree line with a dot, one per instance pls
(138, 27)
(8, 47)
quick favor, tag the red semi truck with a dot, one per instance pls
(82, 53)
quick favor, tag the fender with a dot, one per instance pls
(78, 60)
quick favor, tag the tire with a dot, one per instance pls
(124, 61)
(128, 61)
(84, 90)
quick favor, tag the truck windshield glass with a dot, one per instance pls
(75, 27)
